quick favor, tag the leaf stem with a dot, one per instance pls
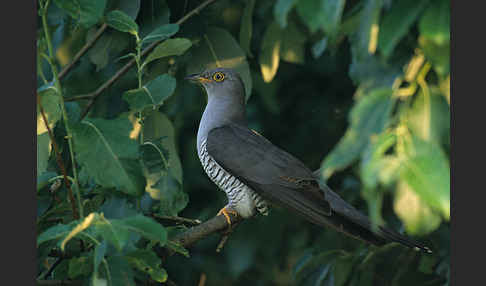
(57, 84)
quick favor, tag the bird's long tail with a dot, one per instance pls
(345, 218)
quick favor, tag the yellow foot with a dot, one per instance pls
(225, 211)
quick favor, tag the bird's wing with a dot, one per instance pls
(273, 173)
(282, 179)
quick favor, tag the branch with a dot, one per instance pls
(94, 95)
(59, 161)
(196, 233)
(176, 220)
(83, 50)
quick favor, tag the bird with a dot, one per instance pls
(255, 174)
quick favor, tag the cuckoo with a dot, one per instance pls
(256, 174)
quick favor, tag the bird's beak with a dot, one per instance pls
(197, 78)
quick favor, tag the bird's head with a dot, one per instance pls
(220, 82)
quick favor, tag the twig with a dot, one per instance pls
(79, 97)
(194, 11)
(176, 219)
(94, 95)
(51, 268)
(202, 279)
(222, 242)
(58, 159)
(83, 50)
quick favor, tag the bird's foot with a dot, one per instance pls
(226, 211)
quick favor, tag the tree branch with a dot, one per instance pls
(176, 220)
(83, 50)
(59, 161)
(94, 95)
(196, 233)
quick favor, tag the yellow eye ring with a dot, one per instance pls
(218, 76)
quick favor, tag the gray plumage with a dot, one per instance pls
(253, 172)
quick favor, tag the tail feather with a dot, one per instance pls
(346, 219)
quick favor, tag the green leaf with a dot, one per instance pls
(374, 160)
(153, 94)
(99, 254)
(80, 227)
(270, 52)
(119, 272)
(91, 12)
(365, 39)
(426, 170)
(370, 72)
(435, 22)
(218, 48)
(169, 47)
(161, 33)
(43, 152)
(369, 116)
(246, 27)
(50, 102)
(293, 44)
(73, 7)
(429, 117)
(107, 45)
(418, 218)
(157, 125)
(79, 266)
(397, 23)
(147, 261)
(55, 232)
(121, 22)
(281, 9)
(144, 226)
(310, 12)
(332, 11)
(438, 55)
(155, 157)
(109, 154)
(113, 232)
(172, 198)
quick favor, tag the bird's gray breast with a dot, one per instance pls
(240, 197)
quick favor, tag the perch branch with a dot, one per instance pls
(196, 233)
(94, 95)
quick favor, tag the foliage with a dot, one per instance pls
(357, 89)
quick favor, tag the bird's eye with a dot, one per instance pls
(218, 76)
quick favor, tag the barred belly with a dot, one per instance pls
(240, 197)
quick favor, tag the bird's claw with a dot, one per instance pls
(226, 211)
